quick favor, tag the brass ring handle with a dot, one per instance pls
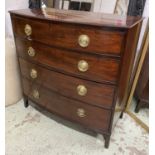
(83, 40)
(31, 52)
(36, 94)
(83, 65)
(33, 74)
(81, 90)
(28, 30)
(81, 112)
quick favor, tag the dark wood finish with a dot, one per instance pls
(86, 6)
(26, 102)
(142, 88)
(107, 140)
(79, 17)
(66, 36)
(67, 61)
(121, 116)
(74, 5)
(127, 64)
(110, 55)
(143, 101)
(135, 8)
(68, 108)
(97, 94)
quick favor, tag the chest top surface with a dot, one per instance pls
(80, 17)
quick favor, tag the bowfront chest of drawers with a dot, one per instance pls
(76, 64)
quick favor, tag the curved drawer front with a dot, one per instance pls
(88, 115)
(99, 69)
(82, 90)
(83, 38)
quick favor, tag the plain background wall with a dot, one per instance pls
(108, 6)
(105, 6)
(12, 5)
(13, 91)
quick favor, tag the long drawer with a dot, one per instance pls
(92, 67)
(82, 90)
(83, 38)
(90, 116)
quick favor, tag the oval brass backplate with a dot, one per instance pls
(36, 94)
(31, 52)
(28, 30)
(81, 90)
(33, 73)
(83, 66)
(81, 112)
(83, 40)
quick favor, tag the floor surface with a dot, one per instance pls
(143, 113)
(31, 132)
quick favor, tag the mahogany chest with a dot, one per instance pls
(76, 64)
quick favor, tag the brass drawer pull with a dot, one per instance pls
(83, 66)
(83, 40)
(81, 112)
(36, 94)
(81, 90)
(31, 52)
(33, 74)
(28, 30)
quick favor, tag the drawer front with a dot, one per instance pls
(83, 38)
(87, 115)
(82, 90)
(95, 68)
